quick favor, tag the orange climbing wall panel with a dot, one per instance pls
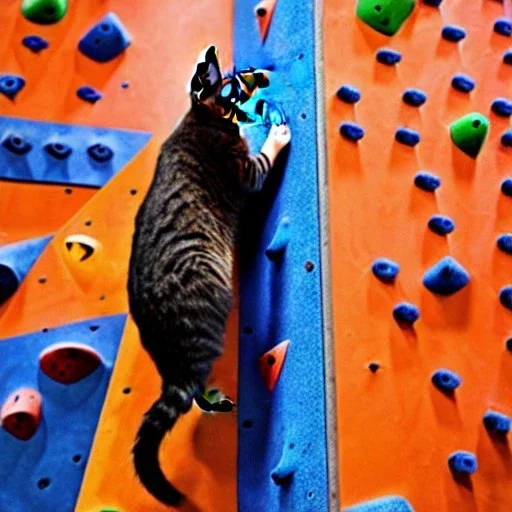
(200, 455)
(396, 430)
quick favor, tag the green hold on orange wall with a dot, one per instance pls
(44, 12)
(385, 16)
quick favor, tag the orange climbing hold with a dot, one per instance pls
(68, 362)
(263, 12)
(21, 413)
(271, 364)
(82, 254)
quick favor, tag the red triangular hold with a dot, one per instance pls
(263, 12)
(271, 364)
(68, 362)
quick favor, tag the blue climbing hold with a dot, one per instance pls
(427, 181)
(100, 153)
(11, 85)
(16, 144)
(384, 504)
(508, 344)
(506, 138)
(506, 187)
(446, 380)
(504, 243)
(385, 270)
(433, 3)
(406, 314)
(88, 94)
(502, 107)
(407, 136)
(414, 97)
(506, 297)
(503, 26)
(15, 262)
(453, 34)
(351, 131)
(441, 225)
(446, 277)
(35, 43)
(463, 83)
(348, 94)
(58, 150)
(497, 422)
(277, 245)
(106, 40)
(463, 462)
(287, 465)
(507, 57)
(388, 57)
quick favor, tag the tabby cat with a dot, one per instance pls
(180, 273)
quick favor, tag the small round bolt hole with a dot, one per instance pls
(310, 494)
(378, 8)
(94, 328)
(68, 191)
(10, 83)
(247, 424)
(49, 11)
(97, 41)
(44, 483)
(102, 297)
(127, 390)
(248, 329)
(476, 123)
(292, 446)
(133, 191)
(271, 360)
(261, 11)
(45, 329)
(88, 222)
(42, 280)
(16, 398)
(303, 116)
(301, 56)
(76, 458)
(309, 266)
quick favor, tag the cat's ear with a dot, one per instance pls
(207, 77)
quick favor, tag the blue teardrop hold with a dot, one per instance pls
(506, 138)
(15, 144)
(11, 85)
(100, 153)
(441, 225)
(453, 34)
(463, 462)
(348, 94)
(414, 97)
(502, 107)
(506, 187)
(351, 131)
(427, 181)
(88, 94)
(58, 150)
(504, 243)
(506, 297)
(388, 57)
(385, 270)
(35, 43)
(405, 313)
(407, 136)
(446, 380)
(507, 57)
(463, 83)
(503, 27)
(446, 277)
(497, 422)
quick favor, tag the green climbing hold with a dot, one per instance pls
(469, 132)
(385, 16)
(109, 510)
(44, 12)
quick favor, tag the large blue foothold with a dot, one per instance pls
(446, 380)
(463, 462)
(463, 83)
(407, 136)
(384, 504)
(441, 225)
(11, 85)
(35, 43)
(388, 57)
(506, 138)
(15, 262)
(106, 40)
(504, 243)
(507, 57)
(497, 423)
(351, 131)
(385, 270)
(503, 26)
(406, 314)
(88, 94)
(414, 97)
(506, 187)
(453, 34)
(502, 107)
(348, 94)
(279, 242)
(70, 413)
(446, 277)
(506, 297)
(427, 181)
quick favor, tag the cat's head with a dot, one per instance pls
(223, 95)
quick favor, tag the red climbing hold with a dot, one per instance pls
(21, 413)
(68, 362)
(271, 364)
(263, 12)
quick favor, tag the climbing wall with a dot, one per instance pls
(418, 133)
(88, 92)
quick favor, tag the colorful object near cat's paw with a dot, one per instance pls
(106, 40)
(69, 362)
(213, 400)
(44, 12)
(21, 413)
(384, 504)
(279, 242)
(385, 16)
(469, 132)
(264, 11)
(271, 364)
(446, 380)
(446, 277)
(82, 253)
(11, 85)
(463, 462)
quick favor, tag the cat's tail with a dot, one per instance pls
(159, 419)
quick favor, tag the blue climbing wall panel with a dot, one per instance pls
(282, 433)
(44, 473)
